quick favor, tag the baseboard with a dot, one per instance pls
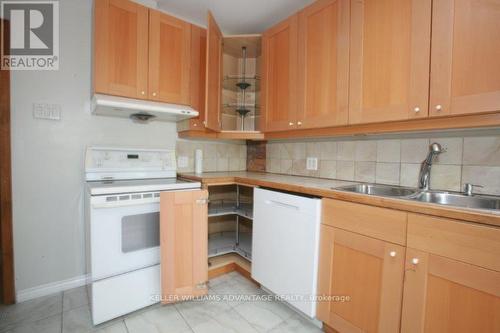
(50, 288)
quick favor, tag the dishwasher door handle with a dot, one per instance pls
(282, 204)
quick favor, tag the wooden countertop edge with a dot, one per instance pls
(405, 205)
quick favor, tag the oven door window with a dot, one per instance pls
(140, 232)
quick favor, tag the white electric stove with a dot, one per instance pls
(122, 220)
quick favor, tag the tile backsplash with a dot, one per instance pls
(395, 161)
(217, 156)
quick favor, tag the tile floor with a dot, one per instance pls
(69, 312)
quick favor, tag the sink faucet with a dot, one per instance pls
(425, 168)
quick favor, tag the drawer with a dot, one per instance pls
(381, 223)
(468, 242)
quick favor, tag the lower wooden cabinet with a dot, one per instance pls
(184, 244)
(445, 295)
(370, 272)
(443, 276)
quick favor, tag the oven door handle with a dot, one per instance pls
(124, 203)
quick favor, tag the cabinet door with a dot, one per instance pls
(323, 64)
(279, 76)
(389, 60)
(198, 75)
(367, 270)
(121, 48)
(444, 295)
(169, 58)
(184, 244)
(214, 75)
(465, 66)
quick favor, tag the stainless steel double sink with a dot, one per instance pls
(436, 197)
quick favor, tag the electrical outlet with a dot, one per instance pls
(47, 111)
(182, 161)
(312, 163)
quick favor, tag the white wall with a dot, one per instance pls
(48, 155)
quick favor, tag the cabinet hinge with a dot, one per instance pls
(202, 285)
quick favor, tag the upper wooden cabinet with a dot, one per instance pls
(389, 60)
(198, 75)
(141, 53)
(169, 58)
(184, 244)
(323, 64)
(279, 76)
(370, 272)
(465, 66)
(214, 75)
(121, 48)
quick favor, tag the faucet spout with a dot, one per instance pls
(425, 168)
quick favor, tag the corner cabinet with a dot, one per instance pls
(213, 76)
(121, 48)
(184, 244)
(279, 76)
(465, 66)
(198, 75)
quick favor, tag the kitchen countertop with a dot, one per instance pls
(323, 188)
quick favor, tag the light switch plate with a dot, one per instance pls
(182, 162)
(47, 111)
(312, 163)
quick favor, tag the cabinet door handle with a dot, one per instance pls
(143, 93)
(415, 261)
(299, 123)
(416, 109)
(290, 124)
(439, 107)
(392, 254)
(154, 94)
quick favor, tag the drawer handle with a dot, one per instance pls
(281, 204)
(392, 254)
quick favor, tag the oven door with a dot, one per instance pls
(124, 233)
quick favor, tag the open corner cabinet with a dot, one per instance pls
(230, 219)
(233, 81)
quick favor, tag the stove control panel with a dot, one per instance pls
(121, 160)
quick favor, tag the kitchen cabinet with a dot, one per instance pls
(198, 75)
(141, 53)
(452, 272)
(389, 60)
(233, 81)
(368, 271)
(431, 274)
(183, 243)
(446, 295)
(323, 64)
(279, 75)
(121, 48)
(169, 59)
(465, 70)
(214, 75)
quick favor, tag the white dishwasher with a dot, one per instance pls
(286, 246)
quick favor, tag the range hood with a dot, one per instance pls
(140, 110)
